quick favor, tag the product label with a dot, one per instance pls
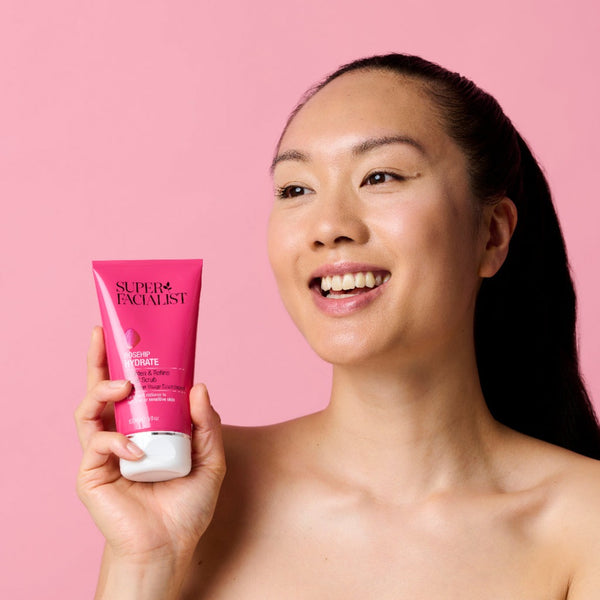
(147, 293)
(155, 394)
(159, 394)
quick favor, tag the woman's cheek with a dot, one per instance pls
(281, 246)
(275, 242)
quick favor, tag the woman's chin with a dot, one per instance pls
(345, 350)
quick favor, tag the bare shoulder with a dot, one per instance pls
(266, 447)
(254, 456)
(259, 460)
(570, 484)
(240, 439)
(578, 512)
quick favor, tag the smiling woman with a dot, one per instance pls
(415, 246)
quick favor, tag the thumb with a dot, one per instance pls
(207, 438)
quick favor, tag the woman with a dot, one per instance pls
(450, 461)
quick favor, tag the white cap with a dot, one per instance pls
(167, 455)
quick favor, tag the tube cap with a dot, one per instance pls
(168, 455)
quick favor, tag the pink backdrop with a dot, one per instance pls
(140, 129)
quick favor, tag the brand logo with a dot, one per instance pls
(148, 293)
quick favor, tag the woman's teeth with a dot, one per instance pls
(351, 281)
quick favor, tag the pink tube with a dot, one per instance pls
(149, 313)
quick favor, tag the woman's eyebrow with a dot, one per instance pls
(372, 143)
(360, 148)
(289, 155)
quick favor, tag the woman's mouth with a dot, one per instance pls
(346, 285)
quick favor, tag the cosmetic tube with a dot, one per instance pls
(149, 312)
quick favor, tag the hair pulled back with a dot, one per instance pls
(525, 316)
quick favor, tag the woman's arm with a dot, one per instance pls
(151, 529)
(151, 580)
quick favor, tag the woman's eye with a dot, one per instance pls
(380, 177)
(291, 191)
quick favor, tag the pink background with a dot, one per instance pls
(144, 129)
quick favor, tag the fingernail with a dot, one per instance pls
(118, 383)
(135, 450)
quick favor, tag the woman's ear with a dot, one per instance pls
(499, 222)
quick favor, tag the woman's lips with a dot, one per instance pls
(342, 306)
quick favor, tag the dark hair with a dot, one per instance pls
(525, 316)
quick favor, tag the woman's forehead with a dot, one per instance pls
(365, 105)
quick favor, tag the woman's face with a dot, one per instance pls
(373, 237)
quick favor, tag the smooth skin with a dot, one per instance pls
(404, 487)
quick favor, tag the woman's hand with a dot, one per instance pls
(144, 523)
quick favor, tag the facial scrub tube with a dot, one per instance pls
(149, 313)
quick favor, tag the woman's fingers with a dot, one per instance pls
(207, 438)
(100, 391)
(94, 469)
(88, 415)
(97, 366)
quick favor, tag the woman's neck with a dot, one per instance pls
(411, 430)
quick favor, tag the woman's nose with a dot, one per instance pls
(338, 220)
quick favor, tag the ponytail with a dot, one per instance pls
(525, 334)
